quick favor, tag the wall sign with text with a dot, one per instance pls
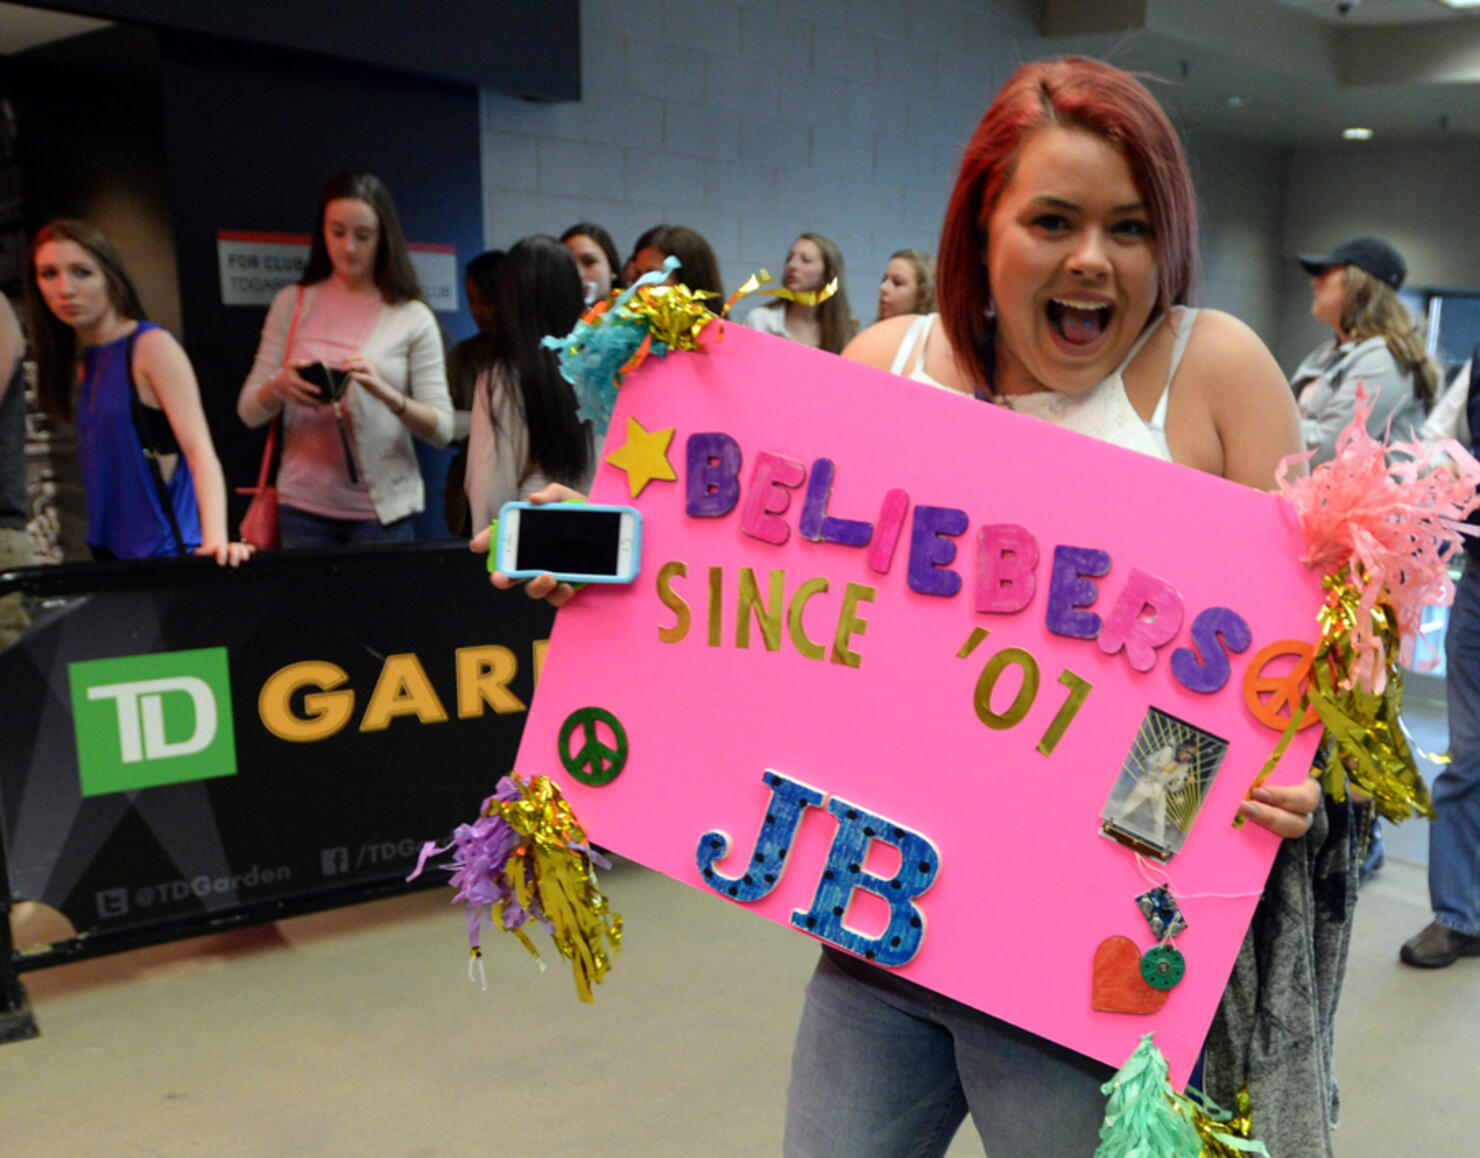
(255, 265)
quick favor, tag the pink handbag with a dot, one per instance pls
(259, 525)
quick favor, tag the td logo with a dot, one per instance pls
(147, 720)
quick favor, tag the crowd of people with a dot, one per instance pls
(352, 367)
(379, 375)
(1063, 288)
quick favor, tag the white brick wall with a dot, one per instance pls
(752, 122)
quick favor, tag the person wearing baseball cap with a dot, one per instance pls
(1370, 254)
(1376, 346)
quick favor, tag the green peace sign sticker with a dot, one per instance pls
(595, 761)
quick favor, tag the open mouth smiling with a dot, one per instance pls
(1079, 322)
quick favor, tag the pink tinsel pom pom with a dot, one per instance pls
(1390, 526)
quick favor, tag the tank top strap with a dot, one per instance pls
(917, 334)
(1151, 328)
(1187, 317)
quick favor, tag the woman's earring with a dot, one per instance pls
(991, 310)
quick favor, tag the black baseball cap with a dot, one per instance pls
(1372, 254)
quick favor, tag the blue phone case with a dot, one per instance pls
(503, 551)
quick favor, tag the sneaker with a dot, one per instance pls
(1438, 946)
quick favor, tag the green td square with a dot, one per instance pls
(147, 720)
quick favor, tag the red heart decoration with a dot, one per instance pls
(1119, 986)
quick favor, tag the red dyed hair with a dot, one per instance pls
(1073, 92)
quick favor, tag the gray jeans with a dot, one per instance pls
(886, 1069)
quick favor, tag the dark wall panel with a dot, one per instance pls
(528, 48)
(90, 119)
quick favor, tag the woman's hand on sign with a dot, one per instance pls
(1285, 810)
(545, 587)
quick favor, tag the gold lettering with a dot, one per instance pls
(325, 710)
(987, 682)
(849, 624)
(794, 614)
(716, 604)
(674, 602)
(402, 690)
(483, 677)
(769, 621)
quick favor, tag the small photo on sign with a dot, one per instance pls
(1160, 788)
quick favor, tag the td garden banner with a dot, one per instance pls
(179, 740)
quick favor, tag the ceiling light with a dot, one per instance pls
(1238, 102)
(1356, 134)
(1461, 3)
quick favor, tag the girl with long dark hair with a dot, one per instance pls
(349, 472)
(525, 433)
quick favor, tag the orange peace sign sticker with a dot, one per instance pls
(1274, 681)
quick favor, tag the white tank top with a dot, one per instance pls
(1103, 411)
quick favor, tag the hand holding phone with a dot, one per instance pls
(574, 542)
(329, 382)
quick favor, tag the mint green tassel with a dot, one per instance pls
(1142, 1119)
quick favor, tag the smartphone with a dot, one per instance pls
(329, 381)
(575, 542)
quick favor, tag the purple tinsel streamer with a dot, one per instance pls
(480, 854)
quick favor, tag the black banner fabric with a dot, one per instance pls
(185, 740)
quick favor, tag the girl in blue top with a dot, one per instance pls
(133, 395)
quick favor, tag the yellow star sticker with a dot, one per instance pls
(644, 456)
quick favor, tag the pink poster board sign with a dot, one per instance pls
(896, 658)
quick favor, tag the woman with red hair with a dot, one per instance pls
(1066, 265)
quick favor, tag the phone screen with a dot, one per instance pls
(566, 539)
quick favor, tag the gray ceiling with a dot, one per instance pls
(1287, 71)
(1292, 71)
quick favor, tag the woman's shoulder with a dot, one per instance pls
(287, 297)
(286, 300)
(414, 314)
(497, 381)
(877, 345)
(1372, 354)
(151, 340)
(158, 356)
(415, 306)
(1225, 358)
(1221, 345)
(1215, 332)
